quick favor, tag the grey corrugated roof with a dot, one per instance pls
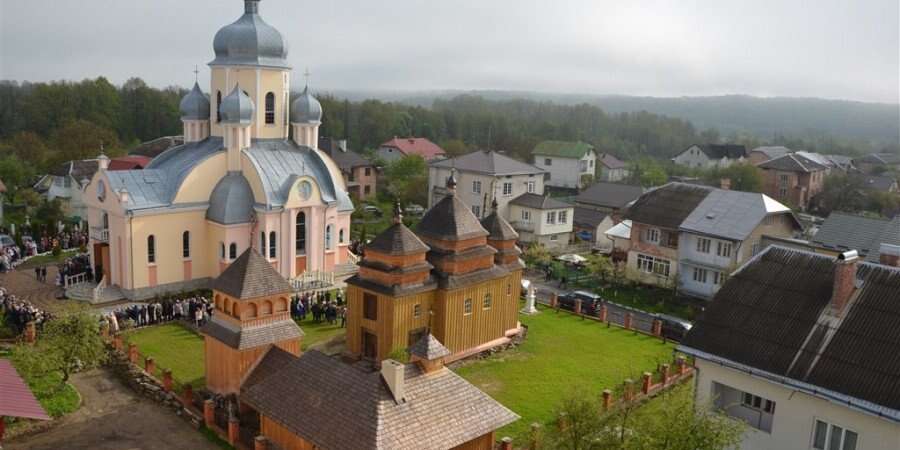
(587, 217)
(305, 108)
(793, 163)
(231, 201)
(879, 183)
(250, 41)
(536, 201)
(429, 348)
(278, 162)
(842, 231)
(772, 152)
(731, 214)
(441, 410)
(609, 195)
(489, 162)
(251, 276)
(194, 105)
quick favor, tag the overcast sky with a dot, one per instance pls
(847, 49)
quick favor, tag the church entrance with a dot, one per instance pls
(101, 262)
(369, 345)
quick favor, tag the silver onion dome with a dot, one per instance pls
(250, 41)
(237, 108)
(306, 108)
(195, 105)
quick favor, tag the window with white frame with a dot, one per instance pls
(531, 187)
(651, 235)
(476, 209)
(828, 436)
(703, 245)
(700, 275)
(476, 187)
(467, 306)
(749, 400)
(507, 189)
(723, 249)
(649, 264)
(563, 217)
(718, 278)
(487, 302)
(526, 215)
(551, 218)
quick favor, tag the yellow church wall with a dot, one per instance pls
(276, 82)
(216, 85)
(256, 82)
(167, 231)
(252, 176)
(200, 182)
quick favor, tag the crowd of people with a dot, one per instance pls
(64, 240)
(321, 307)
(19, 312)
(196, 310)
(74, 265)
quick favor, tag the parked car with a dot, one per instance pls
(6, 241)
(590, 302)
(674, 328)
(414, 209)
(372, 209)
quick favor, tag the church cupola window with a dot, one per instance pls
(218, 106)
(273, 245)
(270, 108)
(328, 237)
(232, 251)
(186, 244)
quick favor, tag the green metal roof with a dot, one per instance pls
(563, 149)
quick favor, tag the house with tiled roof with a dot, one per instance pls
(692, 237)
(398, 147)
(566, 162)
(876, 239)
(707, 156)
(793, 179)
(803, 349)
(455, 276)
(484, 176)
(764, 153)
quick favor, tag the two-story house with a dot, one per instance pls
(793, 179)
(877, 162)
(566, 162)
(484, 176)
(359, 173)
(610, 168)
(396, 148)
(724, 231)
(599, 207)
(803, 348)
(541, 219)
(764, 153)
(708, 156)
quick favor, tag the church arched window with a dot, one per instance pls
(262, 243)
(221, 250)
(232, 251)
(151, 249)
(341, 236)
(270, 108)
(273, 244)
(328, 237)
(218, 105)
(186, 244)
(300, 242)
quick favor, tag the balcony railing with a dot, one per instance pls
(100, 234)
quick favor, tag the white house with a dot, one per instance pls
(541, 219)
(566, 162)
(483, 176)
(66, 182)
(708, 156)
(610, 168)
(803, 349)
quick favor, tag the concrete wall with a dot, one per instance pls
(566, 172)
(795, 413)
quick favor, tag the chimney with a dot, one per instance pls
(123, 195)
(890, 255)
(844, 281)
(725, 183)
(393, 374)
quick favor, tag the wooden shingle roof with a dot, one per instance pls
(251, 276)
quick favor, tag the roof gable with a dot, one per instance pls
(792, 162)
(732, 214)
(667, 206)
(563, 149)
(719, 151)
(488, 162)
(610, 161)
(397, 240)
(529, 200)
(450, 219)
(416, 146)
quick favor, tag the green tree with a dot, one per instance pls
(454, 147)
(15, 173)
(69, 342)
(407, 178)
(30, 147)
(842, 192)
(81, 139)
(601, 267)
(537, 254)
(743, 177)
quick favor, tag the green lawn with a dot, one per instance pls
(562, 353)
(314, 333)
(173, 347)
(43, 260)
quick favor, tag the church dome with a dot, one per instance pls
(306, 108)
(250, 41)
(231, 201)
(195, 105)
(237, 108)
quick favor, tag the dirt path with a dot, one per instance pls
(112, 417)
(23, 284)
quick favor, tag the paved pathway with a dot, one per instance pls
(112, 417)
(23, 284)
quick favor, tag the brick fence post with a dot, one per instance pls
(604, 313)
(577, 306)
(149, 365)
(209, 413)
(234, 430)
(167, 380)
(554, 300)
(657, 327)
(535, 436)
(30, 332)
(628, 317)
(645, 382)
(132, 353)
(607, 399)
(188, 394)
(117, 342)
(680, 363)
(506, 443)
(665, 374)
(628, 389)
(260, 443)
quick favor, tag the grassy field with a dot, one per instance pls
(173, 347)
(43, 260)
(315, 333)
(562, 353)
